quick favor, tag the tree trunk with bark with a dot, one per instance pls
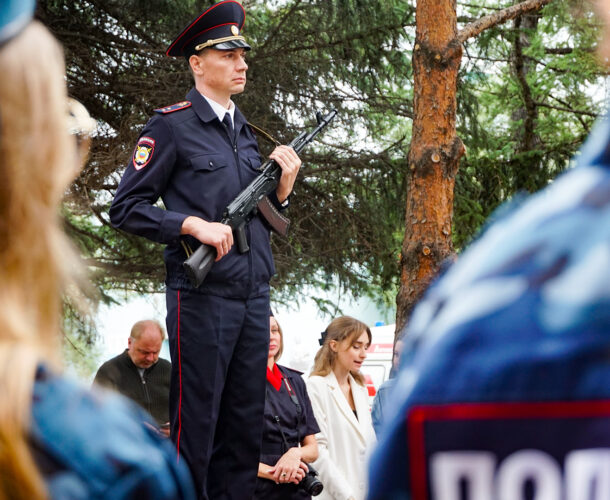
(435, 147)
(434, 154)
(526, 139)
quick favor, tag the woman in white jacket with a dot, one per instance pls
(341, 407)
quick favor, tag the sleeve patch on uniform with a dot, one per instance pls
(174, 107)
(143, 152)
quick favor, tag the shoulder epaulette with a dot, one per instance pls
(174, 107)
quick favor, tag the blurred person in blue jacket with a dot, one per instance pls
(57, 439)
(508, 393)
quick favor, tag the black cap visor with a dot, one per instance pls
(231, 44)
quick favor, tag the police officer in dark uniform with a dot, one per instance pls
(196, 156)
(289, 441)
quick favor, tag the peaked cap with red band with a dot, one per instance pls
(218, 27)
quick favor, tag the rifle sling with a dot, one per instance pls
(264, 134)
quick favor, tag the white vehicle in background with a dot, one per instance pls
(378, 363)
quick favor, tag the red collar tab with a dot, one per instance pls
(174, 107)
(274, 377)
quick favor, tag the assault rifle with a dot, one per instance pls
(246, 205)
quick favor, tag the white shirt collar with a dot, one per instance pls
(220, 110)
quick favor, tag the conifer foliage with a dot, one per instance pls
(526, 91)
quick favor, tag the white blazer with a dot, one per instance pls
(344, 442)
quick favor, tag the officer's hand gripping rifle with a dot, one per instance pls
(245, 206)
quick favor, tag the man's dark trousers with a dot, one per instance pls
(219, 350)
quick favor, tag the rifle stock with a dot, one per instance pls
(239, 212)
(198, 265)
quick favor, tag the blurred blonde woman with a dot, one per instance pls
(56, 439)
(340, 403)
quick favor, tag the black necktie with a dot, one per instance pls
(228, 123)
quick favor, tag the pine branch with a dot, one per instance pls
(278, 25)
(562, 51)
(567, 109)
(476, 6)
(477, 27)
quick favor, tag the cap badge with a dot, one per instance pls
(234, 30)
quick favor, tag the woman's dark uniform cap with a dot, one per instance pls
(218, 27)
(14, 16)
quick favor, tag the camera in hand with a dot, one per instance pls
(310, 483)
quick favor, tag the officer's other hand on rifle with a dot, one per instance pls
(290, 163)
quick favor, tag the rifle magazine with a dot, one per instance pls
(272, 215)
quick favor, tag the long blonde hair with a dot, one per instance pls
(37, 161)
(346, 330)
(279, 352)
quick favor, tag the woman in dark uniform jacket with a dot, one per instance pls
(280, 470)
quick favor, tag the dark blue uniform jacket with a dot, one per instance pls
(295, 428)
(190, 163)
